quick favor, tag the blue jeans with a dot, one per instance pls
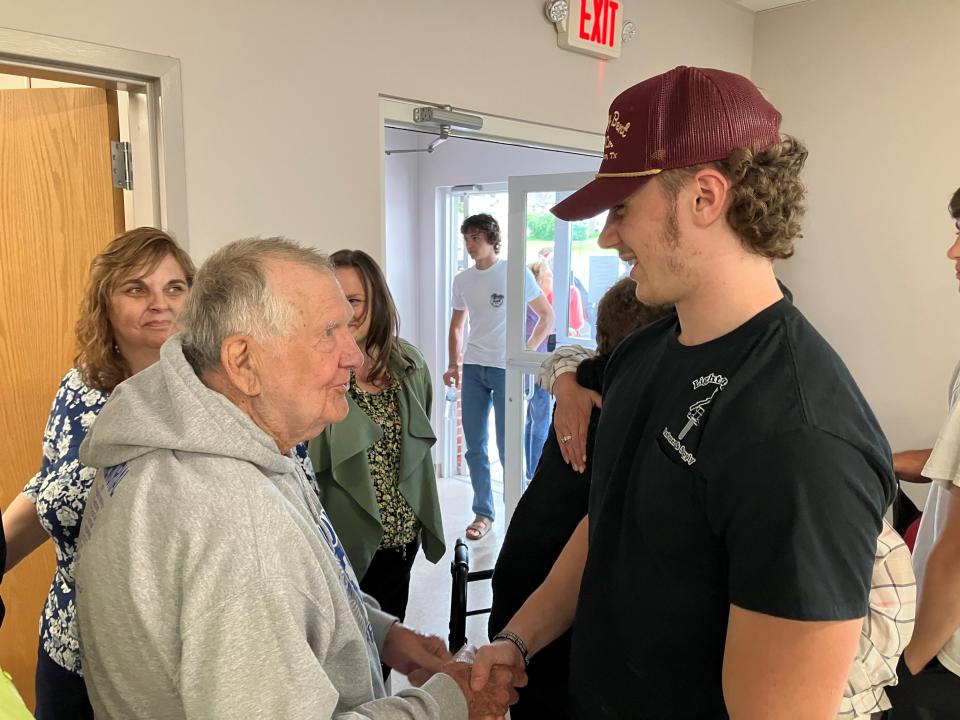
(536, 428)
(481, 386)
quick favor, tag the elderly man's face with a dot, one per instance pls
(305, 377)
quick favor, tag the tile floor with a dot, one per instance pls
(429, 607)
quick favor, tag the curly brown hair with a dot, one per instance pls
(486, 224)
(766, 194)
(954, 206)
(619, 313)
(134, 252)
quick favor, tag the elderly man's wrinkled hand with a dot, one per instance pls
(495, 693)
(416, 655)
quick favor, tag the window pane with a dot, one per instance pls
(556, 248)
(538, 411)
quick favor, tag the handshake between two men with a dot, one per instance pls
(488, 677)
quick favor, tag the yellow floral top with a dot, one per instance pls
(400, 525)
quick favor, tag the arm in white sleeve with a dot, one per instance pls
(562, 360)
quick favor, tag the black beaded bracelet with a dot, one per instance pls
(516, 640)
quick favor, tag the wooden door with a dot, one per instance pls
(58, 208)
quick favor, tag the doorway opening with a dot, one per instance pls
(66, 108)
(516, 171)
(426, 196)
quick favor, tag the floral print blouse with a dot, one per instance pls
(400, 524)
(59, 490)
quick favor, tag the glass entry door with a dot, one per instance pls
(581, 273)
(459, 203)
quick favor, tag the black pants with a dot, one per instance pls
(61, 694)
(931, 694)
(388, 578)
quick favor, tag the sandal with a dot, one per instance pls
(478, 528)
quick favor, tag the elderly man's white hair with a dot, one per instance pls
(231, 295)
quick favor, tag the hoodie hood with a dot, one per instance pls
(166, 407)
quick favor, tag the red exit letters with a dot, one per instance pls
(598, 27)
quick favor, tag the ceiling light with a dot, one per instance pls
(556, 10)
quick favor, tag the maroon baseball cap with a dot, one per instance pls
(683, 117)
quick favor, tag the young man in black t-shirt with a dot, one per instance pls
(550, 510)
(739, 476)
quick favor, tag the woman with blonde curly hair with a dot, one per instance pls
(136, 289)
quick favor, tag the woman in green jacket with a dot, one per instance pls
(374, 469)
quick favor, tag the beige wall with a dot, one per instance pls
(280, 98)
(871, 86)
(282, 135)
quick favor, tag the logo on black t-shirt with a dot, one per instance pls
(496, 299)
(695, 414)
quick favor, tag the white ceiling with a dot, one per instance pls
(760, 5)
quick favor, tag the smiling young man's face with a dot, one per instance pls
(643, 230)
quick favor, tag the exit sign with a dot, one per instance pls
(594, 27)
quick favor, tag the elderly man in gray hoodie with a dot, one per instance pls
(210, 582)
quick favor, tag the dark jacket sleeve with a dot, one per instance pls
(590, 372)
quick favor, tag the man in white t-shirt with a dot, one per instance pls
(929, 672)
(480, 292)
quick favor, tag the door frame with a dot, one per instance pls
(397, 112)
(153, 78)
(521, 361)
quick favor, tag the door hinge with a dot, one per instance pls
(121, 158)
